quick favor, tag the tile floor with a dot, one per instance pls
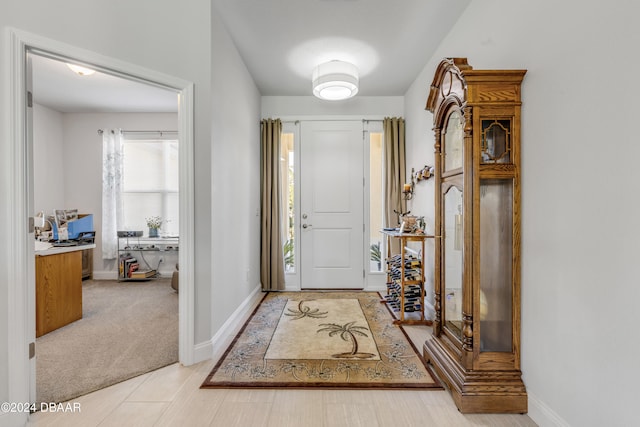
(171, 397)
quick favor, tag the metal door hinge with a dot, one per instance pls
(32, 350)
(29, 99)
(31, 225)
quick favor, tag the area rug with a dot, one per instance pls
(321, 339)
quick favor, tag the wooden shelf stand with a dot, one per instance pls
(405, 278)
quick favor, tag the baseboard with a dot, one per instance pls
(202, 351)
(104, 275)
(374, 288)
(113, 275)
(429, 310)
(542, 414)
(206, 350)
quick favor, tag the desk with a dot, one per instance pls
(58, 287)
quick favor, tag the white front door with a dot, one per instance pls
(331, 205)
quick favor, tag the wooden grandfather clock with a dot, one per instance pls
(475, 347)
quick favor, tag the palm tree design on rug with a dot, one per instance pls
(347, 332)
(306, 312)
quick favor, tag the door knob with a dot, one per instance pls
(306, 225)
(304, 216)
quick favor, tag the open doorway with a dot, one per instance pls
(21, 283)
(127, 327)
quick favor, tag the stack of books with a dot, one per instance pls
(129, 268)
(127, 265)
(142, 274)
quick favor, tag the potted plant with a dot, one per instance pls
(376, 256)
(289, 254)
(154, 223)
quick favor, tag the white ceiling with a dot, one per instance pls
(57, 87)
(281, 41)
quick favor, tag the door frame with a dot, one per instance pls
(371, 123)
(21, 283)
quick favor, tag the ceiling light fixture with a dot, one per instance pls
(335, 80)
(81, 71)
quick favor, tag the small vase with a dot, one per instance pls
(153, 232)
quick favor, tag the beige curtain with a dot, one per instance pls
(394, 172)
(271, 255)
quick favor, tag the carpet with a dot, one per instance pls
(127, 329)
(321, 339)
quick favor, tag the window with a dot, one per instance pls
(376, 244)
(287, 152)
(150, 182)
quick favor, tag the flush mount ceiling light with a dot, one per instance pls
(335, 80)
(81, 71)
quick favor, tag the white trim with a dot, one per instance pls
(113, 275)
(17, 233)
(104, 274)
(202, 351)
(366, 204)
(375, 288)
(18, 306)
(186, 256)
(208, 349)
(542, 414)
(234, 322)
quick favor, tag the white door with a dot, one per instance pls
(331, 205)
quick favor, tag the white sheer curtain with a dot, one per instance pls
(112, 212)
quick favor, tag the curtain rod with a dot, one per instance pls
(101, 131)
